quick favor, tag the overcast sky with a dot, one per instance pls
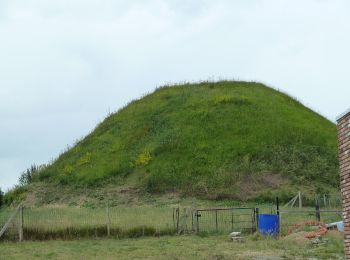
(65, 64)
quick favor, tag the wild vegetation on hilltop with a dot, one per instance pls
(237, 140)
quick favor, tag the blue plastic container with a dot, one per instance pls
(340, 226)
(269, 224)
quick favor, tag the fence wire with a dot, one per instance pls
(290, 219)
(12, 232)
(49, 223)
(226, 220)
(73, 223)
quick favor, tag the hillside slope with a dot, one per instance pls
(213, 140)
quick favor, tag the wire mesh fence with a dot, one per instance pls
(50, 223)
(329, 201)
(11, 220)
(290, 219)
(73, 222)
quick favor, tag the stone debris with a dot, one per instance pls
(236, 237)
(318, 241)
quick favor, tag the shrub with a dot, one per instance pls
(29, 175)
(144, 158)
(15, 195)
(1, 198)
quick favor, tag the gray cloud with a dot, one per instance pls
(65, 64)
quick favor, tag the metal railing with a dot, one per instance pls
(226, 220)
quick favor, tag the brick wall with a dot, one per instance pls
(344, 159)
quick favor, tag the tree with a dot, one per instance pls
(27, 176)
(1, 198)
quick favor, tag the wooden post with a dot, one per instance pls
(197, 220)
(108, 221)
(20, 226)
(174, 218)
(177, 220)
(9, 221)
(300, 202)
(192, 222)
(216, 220)
(193, 210)
(294, 200)
(324, 200)
(280, 223)
(253, 221)
(231, 220)
(184, 220)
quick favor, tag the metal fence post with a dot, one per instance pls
(318, 213)
(278, 214)
(257, 217)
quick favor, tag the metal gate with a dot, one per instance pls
(226, 220)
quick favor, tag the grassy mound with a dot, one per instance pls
(213, 140)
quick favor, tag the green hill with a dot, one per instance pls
(238, 140)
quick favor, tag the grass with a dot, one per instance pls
(175, 247)
(224, 141)
(236, 140)
(150, 227)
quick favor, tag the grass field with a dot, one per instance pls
(141, 232)
(176, 247)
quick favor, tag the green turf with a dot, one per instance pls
(236, 140)
(177, 247)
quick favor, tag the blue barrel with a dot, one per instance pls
(269, 224)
